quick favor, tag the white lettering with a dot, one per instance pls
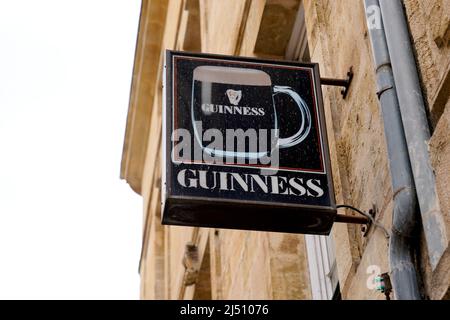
(181, 177)
(318, 191)
(232, 181)
(209, 108)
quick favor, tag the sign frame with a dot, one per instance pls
(199, 211)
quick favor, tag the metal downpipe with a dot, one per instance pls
(403, 273)
(415, 124)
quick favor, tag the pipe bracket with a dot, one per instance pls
(383, 90)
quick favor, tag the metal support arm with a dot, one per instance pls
(339, 82)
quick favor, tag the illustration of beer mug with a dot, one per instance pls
(238, 98)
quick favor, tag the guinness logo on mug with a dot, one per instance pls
(242, 139)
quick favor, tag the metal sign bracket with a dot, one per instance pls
(345, 83)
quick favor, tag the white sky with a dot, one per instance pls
(69, 227)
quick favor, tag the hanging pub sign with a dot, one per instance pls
(244, 145)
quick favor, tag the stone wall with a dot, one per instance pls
(429, 22)
(338, 40)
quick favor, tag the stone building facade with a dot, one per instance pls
(237, 264)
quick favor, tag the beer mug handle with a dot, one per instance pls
(305, 126)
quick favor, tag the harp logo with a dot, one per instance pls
(234, 96)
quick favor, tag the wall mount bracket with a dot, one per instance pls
(366, 221)
(352, 219)
(345, 83)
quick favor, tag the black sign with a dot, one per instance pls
(245, 145)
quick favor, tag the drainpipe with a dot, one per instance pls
(415, 124)
(403, 273)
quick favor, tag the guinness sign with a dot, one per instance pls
(244, 145)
